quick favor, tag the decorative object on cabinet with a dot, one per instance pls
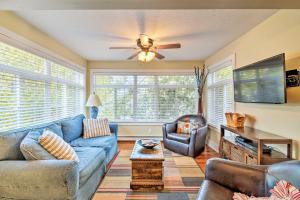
(235, 119)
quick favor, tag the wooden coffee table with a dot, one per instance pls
(147, 168)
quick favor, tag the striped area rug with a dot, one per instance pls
(182, 178)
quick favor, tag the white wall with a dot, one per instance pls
(279, 33)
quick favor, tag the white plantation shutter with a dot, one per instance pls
(220, 93)
(34, 90)
(145, 97)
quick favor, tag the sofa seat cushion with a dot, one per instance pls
(210, 190)
(105, 142)
(91, 158)
(183, 138)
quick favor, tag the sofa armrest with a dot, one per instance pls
(114, 128)
(42, 179)
(237, 176)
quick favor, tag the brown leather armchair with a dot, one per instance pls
(224, 177)
(189, 145)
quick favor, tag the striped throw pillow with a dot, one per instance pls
(95, 128)
(282, 190)
(57, 147)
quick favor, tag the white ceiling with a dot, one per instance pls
(91, 33)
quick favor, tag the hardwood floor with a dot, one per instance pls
(204, 156)
(201, 159)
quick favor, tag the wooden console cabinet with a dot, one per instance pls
(232, 150)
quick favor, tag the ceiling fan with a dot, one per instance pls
(147, 51)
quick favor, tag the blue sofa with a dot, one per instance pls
(55, 179)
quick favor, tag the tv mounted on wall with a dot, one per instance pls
(261, 82)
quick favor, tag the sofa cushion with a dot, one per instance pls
(183, 138)
(32, 150)
(91, 158)
(10, 145)
(72, 128)
(95, 128)
(10, 141)
(55, 128)
(105, 142)
(57, 147)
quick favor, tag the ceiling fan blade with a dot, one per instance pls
(159, 56)
(169, 46)
(122, 48)
(134, 55)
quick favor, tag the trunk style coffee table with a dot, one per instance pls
(147, 168)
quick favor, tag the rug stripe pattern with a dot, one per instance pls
(182, 179)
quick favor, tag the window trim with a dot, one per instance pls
(105, 71)
(215, 67)
(17, 41)
(20, 42)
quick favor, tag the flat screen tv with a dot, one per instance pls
(261, 82)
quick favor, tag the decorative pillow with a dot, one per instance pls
(282, 190)
(57, 147)
(72, 128)
(32, 150)
(186, 127)
(95, 128)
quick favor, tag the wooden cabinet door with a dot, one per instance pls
(226, 149)
(237, 154)
(250, 159)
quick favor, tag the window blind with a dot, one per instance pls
(145, 97)
(219, 94)
(34, 90)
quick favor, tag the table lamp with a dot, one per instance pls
(93, 102)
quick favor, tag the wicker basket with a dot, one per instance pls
(235, 120)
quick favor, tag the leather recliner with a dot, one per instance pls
(188, 145)
(224, 177)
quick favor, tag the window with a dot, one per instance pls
(145, 97)
(34, 90)
(219, 92)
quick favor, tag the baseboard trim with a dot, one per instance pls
(213, 145)
(134, 138)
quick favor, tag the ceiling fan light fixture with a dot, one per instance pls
(146, 56)
(145, 40)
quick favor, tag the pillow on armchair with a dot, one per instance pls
(186, 127)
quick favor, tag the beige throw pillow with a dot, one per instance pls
(95, 128)
(57, 147)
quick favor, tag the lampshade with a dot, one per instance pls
(146, 56)
(93, 100)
